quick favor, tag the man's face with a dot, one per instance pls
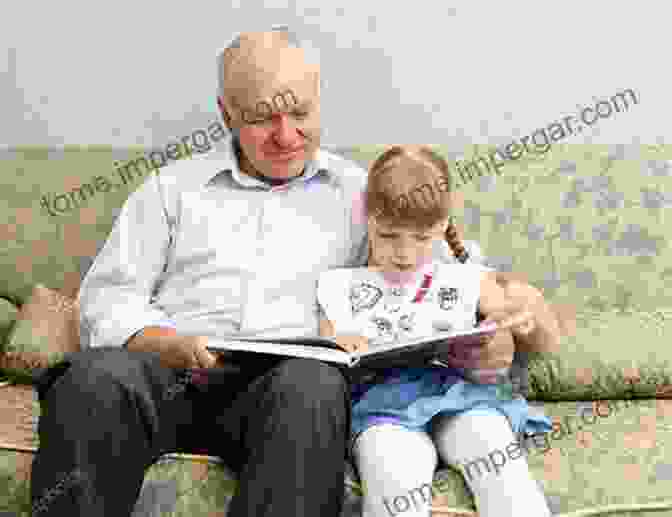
(272, 100)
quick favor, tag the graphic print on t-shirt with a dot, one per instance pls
(384, 326)
(364, 296)
(448, 298)
(388, 317)
(365, 302)
(407, 322)
(395, 324)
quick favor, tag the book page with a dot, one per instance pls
(322, 352)
(324, 349)
(315, 341)
(465, 338)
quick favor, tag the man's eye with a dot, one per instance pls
(424, 238)
(258, 121)
(387, 235)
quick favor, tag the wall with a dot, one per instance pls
(129, 73)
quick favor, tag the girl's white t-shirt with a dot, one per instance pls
(361, 301)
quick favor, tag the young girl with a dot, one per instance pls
(405, 419)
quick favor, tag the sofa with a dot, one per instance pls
(585, 223)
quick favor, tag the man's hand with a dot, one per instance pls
(513, 318)
(513, 315)
(352, 343)
(175, 351)
(493, 353)
(545, 335)
(526, 313)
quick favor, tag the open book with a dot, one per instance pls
(421, 350)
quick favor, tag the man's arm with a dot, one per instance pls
(547, 331)
(549, 327)
(115, 294)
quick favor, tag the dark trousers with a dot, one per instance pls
(108, 414)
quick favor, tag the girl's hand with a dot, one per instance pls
(352, 343)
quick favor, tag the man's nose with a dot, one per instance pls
(285, 131)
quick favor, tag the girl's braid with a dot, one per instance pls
(455, 244)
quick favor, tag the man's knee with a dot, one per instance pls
(116, 363)
(311, 379)
(93, 370)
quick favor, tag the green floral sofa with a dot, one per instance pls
(586, 223)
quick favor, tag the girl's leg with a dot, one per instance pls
(476, 443)
(396, 467)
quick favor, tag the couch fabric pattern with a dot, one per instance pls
(595, 451)
(584, 222)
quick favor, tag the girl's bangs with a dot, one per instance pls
(407, 195)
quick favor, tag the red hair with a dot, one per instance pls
(399, 177)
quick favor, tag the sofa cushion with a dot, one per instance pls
(611, 354)
(629, 440)
(19, 412)
(600, 456)
(47, 327)
(8, 313)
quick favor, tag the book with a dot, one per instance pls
(421, 350)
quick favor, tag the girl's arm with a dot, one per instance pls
(326, 327)
(349, 343)
(332, 299)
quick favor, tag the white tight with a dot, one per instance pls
(395, 462)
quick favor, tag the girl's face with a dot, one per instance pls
(397, 249)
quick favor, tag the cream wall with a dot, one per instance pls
(129, 72)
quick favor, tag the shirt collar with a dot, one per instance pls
(227, 164)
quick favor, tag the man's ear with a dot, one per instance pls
(224, 112)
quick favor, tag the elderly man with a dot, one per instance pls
(225, 244)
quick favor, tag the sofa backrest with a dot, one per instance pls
(586, 223)
(55, 213)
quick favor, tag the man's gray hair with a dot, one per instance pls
(292, 38)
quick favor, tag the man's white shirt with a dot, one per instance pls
(246, 256)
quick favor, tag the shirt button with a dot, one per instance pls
(267, 228)
(260, 252)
